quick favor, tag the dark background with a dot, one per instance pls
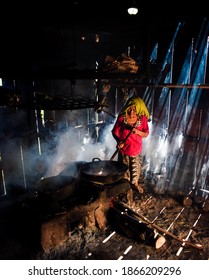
(37, 36)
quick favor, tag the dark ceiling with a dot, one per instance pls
(38, 38)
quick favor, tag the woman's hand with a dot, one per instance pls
(136, 131)
(121, 145)
(140, 133)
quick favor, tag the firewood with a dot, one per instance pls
(183, 241)
(160, 241)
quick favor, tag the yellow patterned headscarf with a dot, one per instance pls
(141, 108)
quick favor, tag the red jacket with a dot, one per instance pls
(133, 144)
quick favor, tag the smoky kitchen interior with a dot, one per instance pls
(65, 73)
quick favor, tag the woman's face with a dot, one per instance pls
(131, 111)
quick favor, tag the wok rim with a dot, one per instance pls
(103, 179)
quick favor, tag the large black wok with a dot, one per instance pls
(102, 171)
(58, 187)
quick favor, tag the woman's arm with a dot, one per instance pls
(142, 134)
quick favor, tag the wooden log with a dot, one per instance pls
(126, 208)
(135, 229)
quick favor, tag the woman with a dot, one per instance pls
(130, 127)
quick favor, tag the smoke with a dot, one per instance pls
(24, 162)
(72, 149)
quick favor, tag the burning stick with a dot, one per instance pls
(120, 203)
